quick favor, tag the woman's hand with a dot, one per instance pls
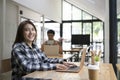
(64, 66)
(69, 64)
(61, 67)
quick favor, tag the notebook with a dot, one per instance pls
(51, 50)
(76, 69)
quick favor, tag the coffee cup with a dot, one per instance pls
(93, 71)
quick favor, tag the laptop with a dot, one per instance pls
(76, 69)
(51, 50)
(30, 78)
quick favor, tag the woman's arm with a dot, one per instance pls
(49, 60)
(29, 64)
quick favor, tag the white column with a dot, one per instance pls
(43, 28)
(3, 12)
(0, 33)
(106, 31)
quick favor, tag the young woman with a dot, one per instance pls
(26, 57)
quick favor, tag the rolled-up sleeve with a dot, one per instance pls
(54, 60)
(51, 60)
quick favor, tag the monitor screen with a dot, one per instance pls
(80, 39)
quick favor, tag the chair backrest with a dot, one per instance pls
(83, 55)
(6, 65)
(51, 50)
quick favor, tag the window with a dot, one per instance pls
(77, 21)
(76, 14)
(86, 16)
(87, 28)
(118, 16)
(97, 31)
(66, 36)
(76, 28)
(118, 38)
(98, 35)
(66, 11)
(38, 27)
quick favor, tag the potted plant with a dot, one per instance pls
(95, 57)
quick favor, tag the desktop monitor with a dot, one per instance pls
(80, 39)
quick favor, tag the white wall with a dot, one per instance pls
(49, 8)
(9, 22)
(1, 32)
(30, 14)
(9, 28)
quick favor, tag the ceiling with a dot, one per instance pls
(94, 7)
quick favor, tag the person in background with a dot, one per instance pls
(26, 57)
(51, 41)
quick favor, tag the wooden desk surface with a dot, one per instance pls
(106, 73)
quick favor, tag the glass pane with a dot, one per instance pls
(94, 18)
(97, 31)
(22, 19)
(118, 16)
(118, 39)
(47, 19)
(98, 35)
(66, 36)
(38, 27)
(66, 11)
(118, 45)
(86, 16)
(76, 28)
(118, 31)
(76, 14)
(87, 29)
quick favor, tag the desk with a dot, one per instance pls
(74, 52)
(71, 51)
(106, 73)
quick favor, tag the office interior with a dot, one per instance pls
(99, 18)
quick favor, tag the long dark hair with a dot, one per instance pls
(19, 36)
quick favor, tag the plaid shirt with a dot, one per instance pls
(25, 60)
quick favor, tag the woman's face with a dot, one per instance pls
(29, 33)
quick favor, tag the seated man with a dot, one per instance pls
(51, 41)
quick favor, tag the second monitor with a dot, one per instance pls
(80, 39)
